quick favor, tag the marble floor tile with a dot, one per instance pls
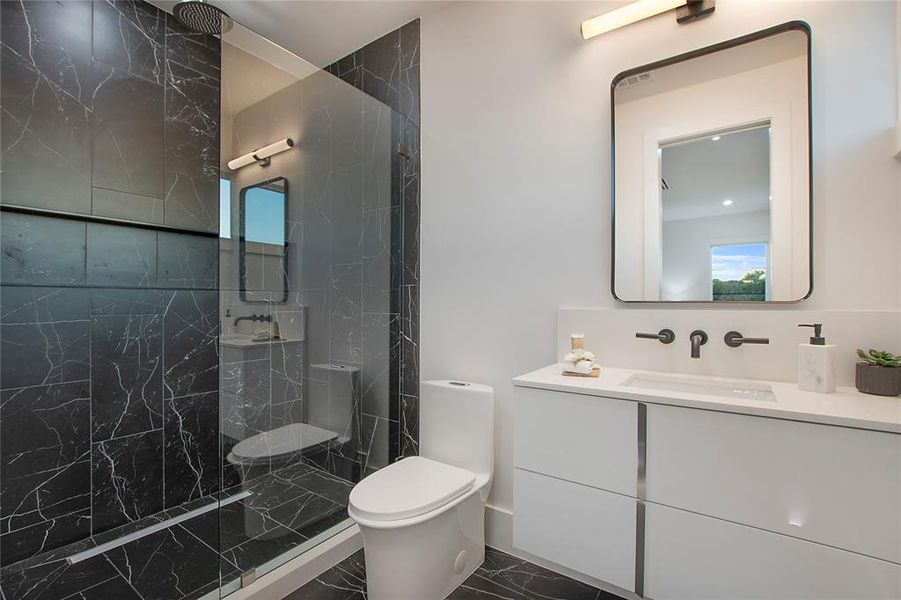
(501, 577)
(188, 559)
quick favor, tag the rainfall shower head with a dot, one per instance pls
(201, 16)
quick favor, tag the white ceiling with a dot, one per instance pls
(701, 174)
(321, 31)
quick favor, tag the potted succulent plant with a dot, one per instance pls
(879, 373)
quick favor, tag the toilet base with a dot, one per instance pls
(427, 560)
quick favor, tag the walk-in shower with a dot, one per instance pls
(197, 362)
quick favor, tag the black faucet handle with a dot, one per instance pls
(664, 336)
(734, 339)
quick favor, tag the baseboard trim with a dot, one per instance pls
(299, 571)
(499, 535)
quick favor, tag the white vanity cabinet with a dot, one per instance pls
(675, 502)
(834, 485)
(574, 483)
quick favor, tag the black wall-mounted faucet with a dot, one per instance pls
(253, 318)
(698, 339)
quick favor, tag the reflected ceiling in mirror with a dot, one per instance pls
(712, 173)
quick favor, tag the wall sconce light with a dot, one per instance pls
(686, 12)
(261, 156)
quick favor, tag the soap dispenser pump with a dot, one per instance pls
(816, 362)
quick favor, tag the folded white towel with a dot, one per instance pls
(583, 367)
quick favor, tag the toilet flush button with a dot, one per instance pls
(460, 563)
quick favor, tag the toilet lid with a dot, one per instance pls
(409, 487)
(281, 440)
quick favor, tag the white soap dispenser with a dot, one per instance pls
(816, 362)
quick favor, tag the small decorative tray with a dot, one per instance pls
(595, 372)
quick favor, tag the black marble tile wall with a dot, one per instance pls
(110, 390)
(126, 132)
(45, 75)
(109, 108)
(108, 333)
(388, 70)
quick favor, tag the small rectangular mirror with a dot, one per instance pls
(264, 244)
(711, 173)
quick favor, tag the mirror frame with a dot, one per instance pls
(744, 39)
(242, 204)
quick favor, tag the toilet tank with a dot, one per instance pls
(332, 393)
(456, 424)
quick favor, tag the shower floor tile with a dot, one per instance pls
(183, 562)
(501, 577)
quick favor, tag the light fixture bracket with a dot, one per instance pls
(263, 162)
(694, 10)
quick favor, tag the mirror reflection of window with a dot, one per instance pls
(738, 272)
(225, 208)
(715, 192)
(264, 216)
(263, 245)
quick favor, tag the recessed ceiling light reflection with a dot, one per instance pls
(727, 202)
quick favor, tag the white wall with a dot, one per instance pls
(686, 250)
(515, 209)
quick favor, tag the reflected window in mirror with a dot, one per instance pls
(711, 150)
(263, 245)
(715, 194)
(738, 272)
(225, 208)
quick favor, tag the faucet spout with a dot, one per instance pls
(698, 339)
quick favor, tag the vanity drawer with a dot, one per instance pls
(693, 557)
(833, 485)
(585, 439)
(585, 529)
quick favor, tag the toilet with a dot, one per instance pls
(329, 427)
(272, 450)
(423, 517)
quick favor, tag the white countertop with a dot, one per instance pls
(846, 406)
(248, 341)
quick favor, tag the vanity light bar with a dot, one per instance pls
(262, 155)
(626, 15)
(688, 10)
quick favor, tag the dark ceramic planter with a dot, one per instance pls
(880, 381)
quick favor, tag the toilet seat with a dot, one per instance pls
(408, 488)
(281, 441)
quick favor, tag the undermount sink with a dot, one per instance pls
(739, 390)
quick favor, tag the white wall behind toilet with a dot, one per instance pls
(515, 193)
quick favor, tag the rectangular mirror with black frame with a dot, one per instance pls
(712, 173)
(264, 241)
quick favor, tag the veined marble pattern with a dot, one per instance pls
(130, 36)
(183, 561)
(85, 428)
(191, 349)
(388, 70)
(126, 371)
(45, 74)
(501, 577)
